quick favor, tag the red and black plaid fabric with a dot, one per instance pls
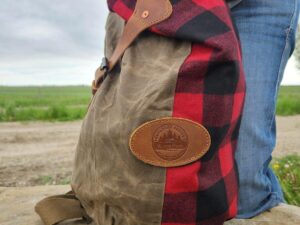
(210, 90)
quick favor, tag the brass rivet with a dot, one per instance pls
(145, 14)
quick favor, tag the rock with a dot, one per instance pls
(17, 208)
(282, 214)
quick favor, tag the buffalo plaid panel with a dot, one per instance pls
(210, 90)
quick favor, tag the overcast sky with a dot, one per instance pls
(50, 42)
(57, 42)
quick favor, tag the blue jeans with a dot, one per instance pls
(267, 31)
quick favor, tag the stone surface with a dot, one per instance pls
(16, 204)
(280, 215)
(17, 208)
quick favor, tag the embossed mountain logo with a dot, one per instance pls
(170, 142)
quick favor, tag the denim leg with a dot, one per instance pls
(267, 33)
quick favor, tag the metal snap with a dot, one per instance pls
(145, 14)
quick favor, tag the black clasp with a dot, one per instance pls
(104, 64)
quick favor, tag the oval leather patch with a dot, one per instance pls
(169, 142)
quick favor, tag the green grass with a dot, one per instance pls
(52, 180)
(70, 102)
(43, 103)
(287, 170)
(288, 101)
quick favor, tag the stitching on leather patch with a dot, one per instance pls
(169, 142)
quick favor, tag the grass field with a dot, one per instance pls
(288, 101)
(70, 102)
(43, 103)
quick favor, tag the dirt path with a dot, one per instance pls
(288, 136)
(38, 153)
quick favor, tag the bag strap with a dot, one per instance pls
(146, 14)
(57, 208)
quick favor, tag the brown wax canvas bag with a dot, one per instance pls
(157, 144)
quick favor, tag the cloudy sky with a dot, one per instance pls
(58, 42)
(50, 42)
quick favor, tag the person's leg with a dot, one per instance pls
(267, 33)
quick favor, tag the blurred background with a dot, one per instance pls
(49, 51)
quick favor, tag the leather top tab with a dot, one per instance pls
(170, 142)
(146, 14)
